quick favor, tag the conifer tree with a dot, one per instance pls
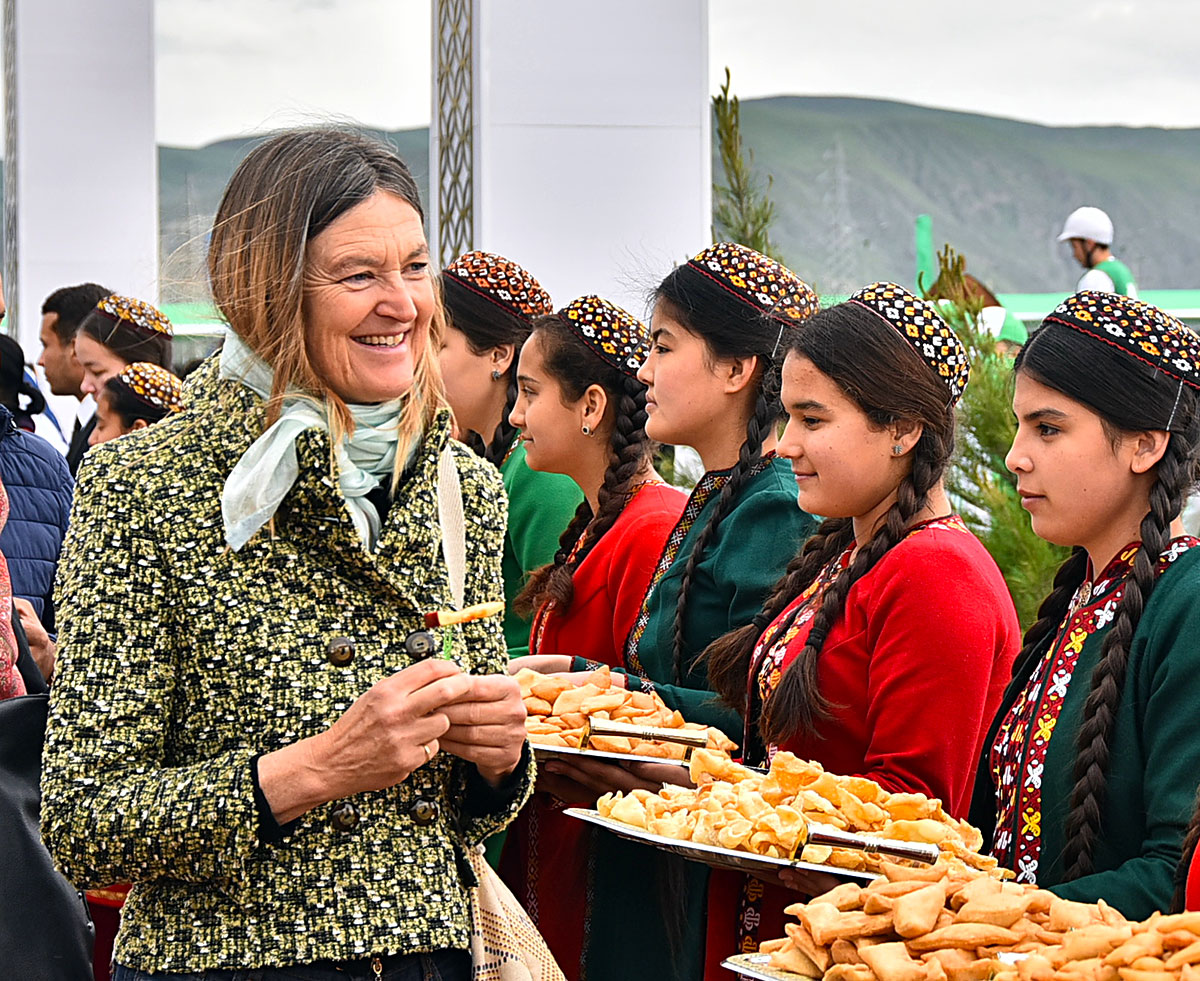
(742, 209)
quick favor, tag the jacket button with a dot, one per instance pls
(420, 643)
(424, 811)
(340, 651)
(344, 817)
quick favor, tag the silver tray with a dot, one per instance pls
(757, 966)
(550, 752)
(713, 855)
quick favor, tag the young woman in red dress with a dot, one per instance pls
(582, 412)
(884, 650)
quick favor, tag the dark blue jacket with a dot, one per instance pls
(39, 489)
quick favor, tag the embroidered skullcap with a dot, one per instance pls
(918, 323)
(758, 280)
(1135, 327)
(153, 385)
(617, 336)
(500, 281)
(137, 313)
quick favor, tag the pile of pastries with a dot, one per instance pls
(944, 924)
(738, 807)
(558, 710)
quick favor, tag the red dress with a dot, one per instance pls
(913, 670)
(545, 860)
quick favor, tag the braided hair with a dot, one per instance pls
(1130, 396)
(732, 324)
(576, 367)
(480, 305)
(882, 374)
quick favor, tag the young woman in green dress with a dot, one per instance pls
(713, 375)
(490, 305)
(1087, 776)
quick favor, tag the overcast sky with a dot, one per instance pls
(229, 67)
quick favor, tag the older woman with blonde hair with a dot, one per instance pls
(246, 722)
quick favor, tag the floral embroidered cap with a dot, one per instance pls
(615, 335)
(136, 313)
(1139, 329)
(153, 385)
(938, 346)
(758, 281)
(500, 281)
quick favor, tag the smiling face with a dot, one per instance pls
(1079, 487)
(686, 397)
(98, 363)
(843, 463)
(368, 300)
(550, 423)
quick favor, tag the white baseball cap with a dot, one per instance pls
(1088, 223)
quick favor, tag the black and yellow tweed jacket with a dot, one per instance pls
(179, 661)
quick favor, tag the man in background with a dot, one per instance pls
(1090, 232)
(62, 313)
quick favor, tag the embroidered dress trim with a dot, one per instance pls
(1018, 756)
(708, 485)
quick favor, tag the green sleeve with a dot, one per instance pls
(1165, 680)
(540, 506)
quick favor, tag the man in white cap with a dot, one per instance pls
(1090, 232)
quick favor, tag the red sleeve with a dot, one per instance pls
(655, 512)
(942, 633)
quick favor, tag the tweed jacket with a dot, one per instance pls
(180, 661)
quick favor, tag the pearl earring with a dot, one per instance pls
(586, 430)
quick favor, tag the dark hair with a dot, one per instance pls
(885, 377)
(576, 367)
(487, 324)
(1129, 396)
(128, 406)
(730, 327)
(71, 304)
(13, 381)
(126, 341)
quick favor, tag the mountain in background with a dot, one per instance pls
(851, 175)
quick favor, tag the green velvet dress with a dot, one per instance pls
(1023, 790)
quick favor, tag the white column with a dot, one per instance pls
(81, 194)
(591, 157)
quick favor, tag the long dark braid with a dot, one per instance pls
(501, 442)
(1190, 839)
(1094, 747)
(797, 704)
(759, 425)
(1054, 607)
(729, 655)
(577, 367)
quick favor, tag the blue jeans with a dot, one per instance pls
(442, 965)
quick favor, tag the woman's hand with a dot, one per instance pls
(487, 726)
(389, 731)
(598, 778)
(541, 663)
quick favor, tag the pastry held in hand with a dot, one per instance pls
(448, 618)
